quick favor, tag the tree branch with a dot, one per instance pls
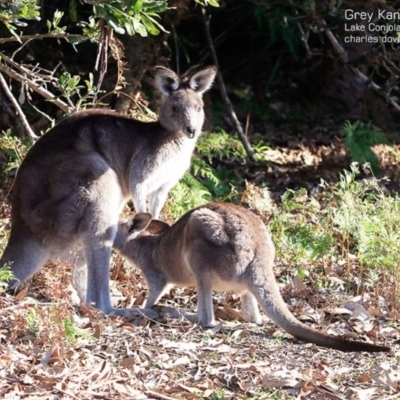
(345, 58)
(18, 109)
(35, 87)
(40, 37)
(20, 67)
(102, 51)
(222, 88)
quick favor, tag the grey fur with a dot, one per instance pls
(73, 183)
(222, 247)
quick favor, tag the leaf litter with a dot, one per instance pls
(111, 358)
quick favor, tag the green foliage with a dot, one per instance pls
(301, 232)
(217, 395)
(5, 276)
(33, 321)
(137, 16)
(53, 26)
(188, 194)
(204, 170)
(69, 84)
(206, 182)
(223, 183)
(76, 94)
(369, 221)
(72, 333)
(221, 145)
(213, 3)
(14, 148)
(12, 12)
(90, 29)
(357, 222)
(47, 322)
(359, 138)
(218, 181)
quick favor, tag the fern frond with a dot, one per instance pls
(359, 138)
(200, 167)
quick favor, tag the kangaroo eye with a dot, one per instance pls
(174, 109)
(198, 109)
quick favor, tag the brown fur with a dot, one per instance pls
(222, 247)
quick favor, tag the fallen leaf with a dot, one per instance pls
(360, 313)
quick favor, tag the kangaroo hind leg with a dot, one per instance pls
(250, 311)
(205, 309)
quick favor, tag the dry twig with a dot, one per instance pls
(32, 136)
(102, 50)
(225, 98)
(39, 37)
(35, 87)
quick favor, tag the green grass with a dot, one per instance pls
(353, 223)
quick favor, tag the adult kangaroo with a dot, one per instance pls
(217, 246)
(73, 183)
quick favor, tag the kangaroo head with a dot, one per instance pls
(143, 222)
(182, 110)
(140, 224)
(130, 229)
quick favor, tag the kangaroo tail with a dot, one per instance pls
(270, 299)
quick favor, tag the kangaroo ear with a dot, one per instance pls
(167, 81)
(202, 80)
(140, 222)
(156, 227)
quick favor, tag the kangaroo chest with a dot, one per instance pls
(169, 166)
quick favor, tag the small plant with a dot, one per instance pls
(54, 26)
(72, 333)
(5, 276)
(33, 322)
(359, 138)
(15, 149)
(369, 222)
(217, 395)
(72, 89)
(52, 324)
(224, 184)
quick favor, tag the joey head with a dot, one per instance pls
(73, 183)
(223, 247)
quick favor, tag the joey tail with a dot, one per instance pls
(276, 309)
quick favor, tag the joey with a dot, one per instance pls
(223, 247)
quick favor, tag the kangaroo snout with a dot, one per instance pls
(190, 132)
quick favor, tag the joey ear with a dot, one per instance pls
(202, 80)
(156, 226)
(139, 222)
(166, 81)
